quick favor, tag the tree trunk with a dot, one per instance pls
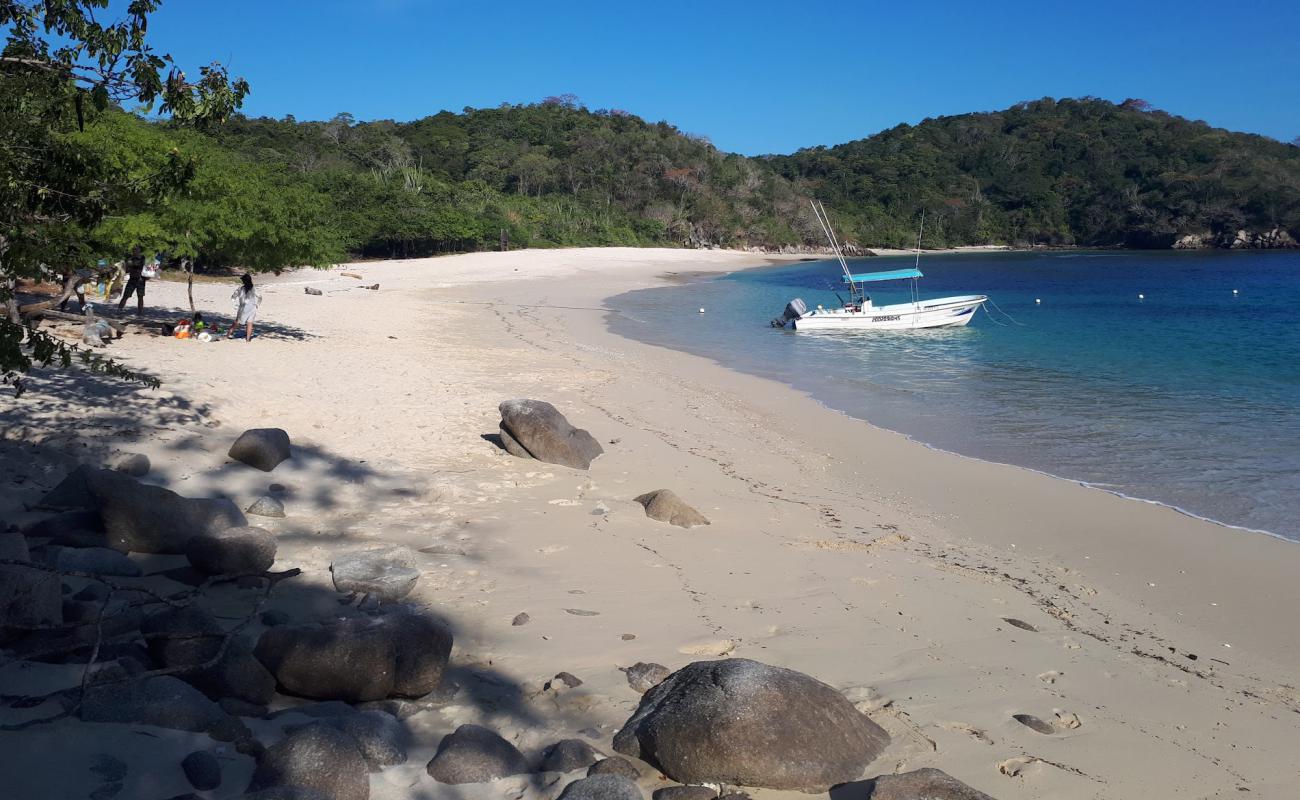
(188, 266)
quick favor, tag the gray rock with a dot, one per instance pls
(73, 491)
(665, 506)
(134, 464)
(563, 680)
(262, 448)
(28, 597)
(70, 529)
(602, 787)
(202, 770)
(521, 618)
(96, 560)
(535, 429)
(150, 519)
(567, 755)
(188, 637)
(739, 722)
(316, 757)
(615, 765)
(921, 784)
(685, 793)
(398, 653)
(266, 506)
(379, 737)
(386, 574)
(233, 551)
(164, 701)
(473, 754)
(643, 676)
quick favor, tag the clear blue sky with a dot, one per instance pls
(757, 76)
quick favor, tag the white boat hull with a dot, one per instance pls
(940, 312)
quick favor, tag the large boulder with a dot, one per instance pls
(665, 506)
(474, 754)
(234, 551)
(602, 787)
(387, 574)
(163, 700)
(28, 597)
(920, 784)
(400, 653)
(150, 519)
(318, 758)
(535, 429)
(378, 735)
(739, 722)
(263, 448)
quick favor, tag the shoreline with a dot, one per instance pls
(880, 565)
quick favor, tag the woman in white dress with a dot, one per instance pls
(246, 301)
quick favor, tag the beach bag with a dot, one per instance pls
(149, 271)
(183, 329)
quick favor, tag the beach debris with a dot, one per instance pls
(134, 464)
(568, 755)
(685, 793)
(266, 506)
(261, 448)
(928, 783)
(202, 770)
(627, 637)
(317, 758)
(374, 287)
(738, 721)
(615, 765)
(474, 754)
(521, 618)
(233, 551)
(644, 676)
(142, 518)
(312, 291)
(1034, 724)
(602, 787)
(97, 333)
(1021, 624)
(387, 574)
(399, 653)
(535, 429)
(378, 735)
(665, 506)
(356, 275)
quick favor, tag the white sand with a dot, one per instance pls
(866, 560)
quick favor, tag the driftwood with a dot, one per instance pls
(356, 275)
(43, 310)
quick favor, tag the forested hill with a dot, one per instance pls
(1067, 172)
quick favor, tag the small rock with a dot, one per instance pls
(627, 637)
(266, 506)
(315, 757)
(566, 679)
(643, 677)
(521, 618)
(665, 506)
(203, 770)
(379, 737)
(685, 793)
(615, 766)
(134, 464)
(387, 574)
(473, 754)
(928, 783)
(233, 551)
(95, 560)
(567, 755)
(261, 448)
(1034, 724)
(312, 291)
(602, 787)
(1021, 624)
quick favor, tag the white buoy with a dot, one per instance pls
(1142, 297)
(701, 311)
(1038, 300)
(1234, 291)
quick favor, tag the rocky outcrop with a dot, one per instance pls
(397, 654)
(261, 448)
(535, 429)
(474, 754)
(234, 551)
(740, 722)
(928, 783)
(317, 758)
(665, 506)
(1237, 239)
(142, 518)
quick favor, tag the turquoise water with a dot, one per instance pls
(1189, 397)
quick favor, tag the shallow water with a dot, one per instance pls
(1189, 397)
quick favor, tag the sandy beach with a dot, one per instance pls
(942, 594)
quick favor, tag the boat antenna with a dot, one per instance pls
(919, 231)
(819, 211)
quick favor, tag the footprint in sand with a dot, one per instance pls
(720, 647)
(1050, 676)
(1034, 724)
(1067, 720)
(970, 730)
(1012, 767)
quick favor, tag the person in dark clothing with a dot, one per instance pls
(135, 280)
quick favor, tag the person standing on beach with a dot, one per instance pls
(135, 281)
(246, 301)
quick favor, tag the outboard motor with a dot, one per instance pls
(794, 309)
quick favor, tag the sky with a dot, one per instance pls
(754, 77)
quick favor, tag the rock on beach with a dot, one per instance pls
(474, 754)
(665, 506)
(261, 448)
(535, 429)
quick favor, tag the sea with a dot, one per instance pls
(1171, 377)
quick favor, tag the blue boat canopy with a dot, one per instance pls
(891, 275)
